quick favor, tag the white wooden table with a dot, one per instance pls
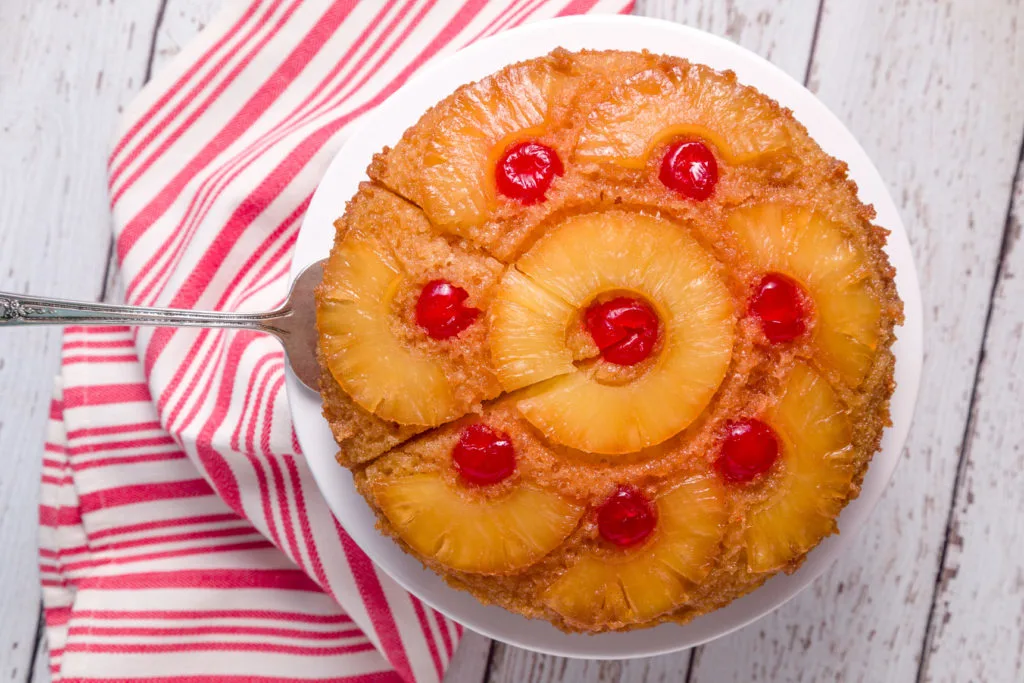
(933, 588)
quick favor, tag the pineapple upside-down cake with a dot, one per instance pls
(606, 339)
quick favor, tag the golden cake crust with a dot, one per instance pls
(770, 171)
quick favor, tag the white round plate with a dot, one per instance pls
(386, 125)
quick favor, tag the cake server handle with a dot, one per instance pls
(25, 309)
(294, 323)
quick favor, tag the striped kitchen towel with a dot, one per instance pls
(182, 537)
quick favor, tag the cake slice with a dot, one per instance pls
(815, 480)
(385, 376)
(615, 588)
(447, 166)
(831, 268)
(468, 532)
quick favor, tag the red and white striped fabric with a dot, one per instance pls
(182, 536)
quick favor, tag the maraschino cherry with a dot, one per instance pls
(750, 448)
(484, 455)
(689, 167)
(779, 303)
(626, 518)
(441, 309)
(525, 171)
(625, 329)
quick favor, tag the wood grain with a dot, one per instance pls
(977, 620)
(925, 86)
(783, 34)
(66, 68)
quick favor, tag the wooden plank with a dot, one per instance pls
(780, 32)
(783, 34)
(977, 624)
(469, 665)
(66, 68)
(926, 87)
(512, 665)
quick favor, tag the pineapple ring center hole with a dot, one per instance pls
(617, 334)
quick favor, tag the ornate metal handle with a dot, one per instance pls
(19, 309)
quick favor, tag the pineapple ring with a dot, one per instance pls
(816, 479)
(450, 173)
(655, 105)
(638, 585)
(479, 536)
(528, 333)
(361, 352)
(536, 303)
(812, 250)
